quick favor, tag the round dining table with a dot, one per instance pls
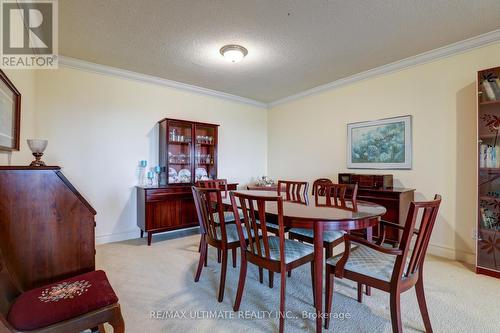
(320, 216)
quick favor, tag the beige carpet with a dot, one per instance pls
(160, 279)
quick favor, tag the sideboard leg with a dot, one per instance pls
(150, 235)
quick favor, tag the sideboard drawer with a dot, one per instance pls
(162, 195)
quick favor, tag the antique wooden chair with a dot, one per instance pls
(336, 195)
(274, 253)
(85, 301)
(222, 236)
(394, 270)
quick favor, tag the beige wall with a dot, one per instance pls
(99, 127)
(307, 137)
(24, 81)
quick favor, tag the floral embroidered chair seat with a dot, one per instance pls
(78, 303)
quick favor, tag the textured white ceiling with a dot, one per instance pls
(293, 45)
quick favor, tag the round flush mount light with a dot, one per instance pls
(233, 53)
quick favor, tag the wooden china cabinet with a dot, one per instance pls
(488, 225)
(187, 153)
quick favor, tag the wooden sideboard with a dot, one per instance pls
(396, 201)
(166, 208)
(46, 226)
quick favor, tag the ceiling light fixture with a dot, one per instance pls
(233, 53)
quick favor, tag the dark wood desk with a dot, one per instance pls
(322, 218)
(46, 226)
(166, 208)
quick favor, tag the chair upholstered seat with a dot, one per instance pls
(228, 216)
(293, 250)
(328, 236)
(231, 233)
(61, 301)
(366, 261)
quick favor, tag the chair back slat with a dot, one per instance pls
(251, 223)
(294, 190)
(208, 204)
(318, 187)
(214, 183)
(262, 218)
(423, 238)
(254, 219)
(427, 211)
(336, 195)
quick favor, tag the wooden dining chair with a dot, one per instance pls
(214, 183)
(228, 214)
(318, 186)
(336, 195)
(293, 190)
(82, 302)
(222, 236)
(393, 270)
(274, 253)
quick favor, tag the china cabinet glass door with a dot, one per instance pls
(179, 159)
(205, 152)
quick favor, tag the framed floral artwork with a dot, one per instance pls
(380, 144)
(10, 114)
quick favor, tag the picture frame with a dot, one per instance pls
(380, 144)
(10, 114)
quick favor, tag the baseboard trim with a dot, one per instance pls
(133, 234)
(453, 254)
(117, 237)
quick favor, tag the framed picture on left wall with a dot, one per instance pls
(10, 114)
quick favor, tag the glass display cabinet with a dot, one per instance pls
(488, 227)
(188, 151)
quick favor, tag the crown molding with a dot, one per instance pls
(436, 54)
(74, 63)
(439, 53)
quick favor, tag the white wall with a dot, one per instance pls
(24, 81)
(99, 127)
(307, 137)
